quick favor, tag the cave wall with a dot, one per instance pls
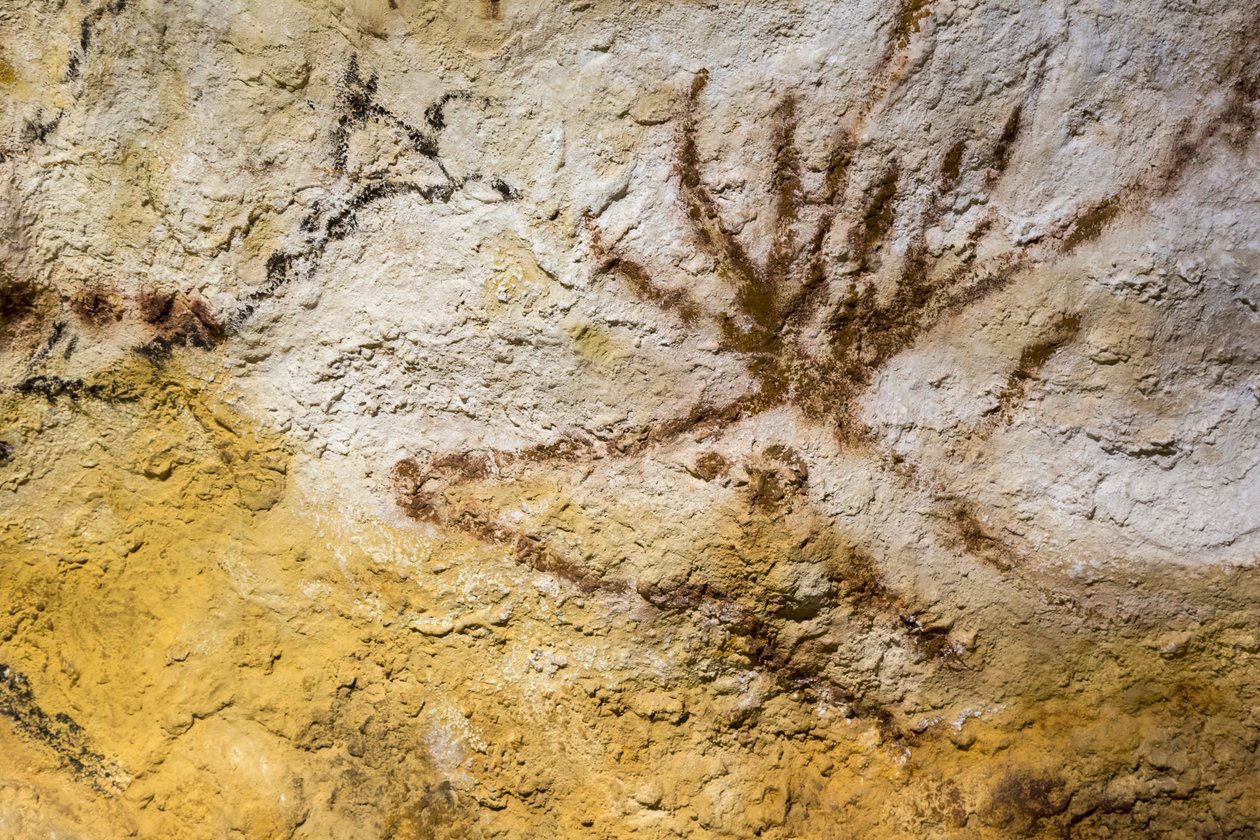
(659, 418)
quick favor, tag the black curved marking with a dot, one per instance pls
(332, 220)
(59, 732)
(37, 130)
(54, 388)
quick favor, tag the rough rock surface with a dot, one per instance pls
(656, 418)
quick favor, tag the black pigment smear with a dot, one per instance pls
(60, 732)
(36, 131)
(54, 388)
(332, 221)
(58, 331)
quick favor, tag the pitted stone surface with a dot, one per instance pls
(653, 419)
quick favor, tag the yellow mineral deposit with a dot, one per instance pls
(197, 646)
(517, 419)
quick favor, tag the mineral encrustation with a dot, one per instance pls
(651, 418)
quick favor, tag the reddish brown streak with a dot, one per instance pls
(871, 305)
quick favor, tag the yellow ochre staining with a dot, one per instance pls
(423, 424)
(238, 663)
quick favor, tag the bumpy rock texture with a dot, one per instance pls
(652, 418)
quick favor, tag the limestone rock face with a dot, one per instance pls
(656, 418)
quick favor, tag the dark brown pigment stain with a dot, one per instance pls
(177, 321)
(710, 466)
(1000, 157)
(1236, 122)
(1090, 224)
(1061, 332)
(437, 812)
(427, 492)
(964, 526)
(944, 804)
(96, 307)
(798, 283)
(777, 475)
(1035, 355)
(829, 261)
(441, 491)
(951, 165)
(1021, 800)
(22, 306)
(174, 320)
(910, 14)
(168, 320)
